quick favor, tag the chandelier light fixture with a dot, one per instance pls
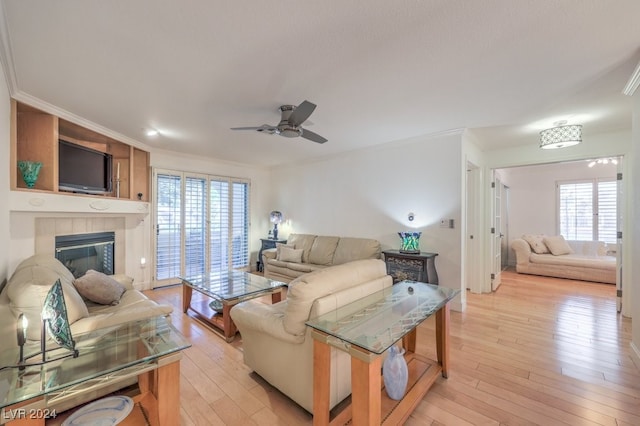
(613, 161)
(561, 136)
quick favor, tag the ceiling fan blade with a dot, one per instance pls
(301, 113)
(308, 134)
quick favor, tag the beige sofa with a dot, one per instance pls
(586, 261)
(276, 342)
(28, 286)
(306, 253)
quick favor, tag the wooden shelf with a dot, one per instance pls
(35, 135)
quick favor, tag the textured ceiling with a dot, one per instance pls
(379, 71)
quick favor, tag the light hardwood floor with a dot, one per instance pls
(537, 351)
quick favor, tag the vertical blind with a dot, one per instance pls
(588, 210)
(202, 224)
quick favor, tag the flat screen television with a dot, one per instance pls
(83, 170)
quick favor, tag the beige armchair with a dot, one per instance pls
(276, 342)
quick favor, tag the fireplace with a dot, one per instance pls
(82, 252)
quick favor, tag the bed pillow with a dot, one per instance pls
(537, 243)
(558, 245)
(99, 288)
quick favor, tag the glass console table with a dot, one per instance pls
(109, 358)
(365, 329)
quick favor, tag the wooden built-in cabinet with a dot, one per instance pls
(35, 135)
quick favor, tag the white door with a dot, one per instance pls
(496, 234)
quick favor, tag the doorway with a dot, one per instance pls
(533, 206)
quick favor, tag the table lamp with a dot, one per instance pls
(275, 217)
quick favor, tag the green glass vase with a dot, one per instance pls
(30, 171)
(410, 242)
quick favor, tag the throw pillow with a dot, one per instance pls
(99, 288)
(27, 290)
(291, 255)
(558, 245)
(279, 248)
(536, 242)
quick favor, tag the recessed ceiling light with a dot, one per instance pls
(152, 132)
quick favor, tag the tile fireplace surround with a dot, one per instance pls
(47, 229)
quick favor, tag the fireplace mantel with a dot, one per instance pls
(46, 202)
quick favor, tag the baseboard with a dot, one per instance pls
(142, 286)
(635, 355)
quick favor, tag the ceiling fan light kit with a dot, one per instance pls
(290, 125)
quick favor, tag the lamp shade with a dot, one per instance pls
(561, 137)
(275, 217)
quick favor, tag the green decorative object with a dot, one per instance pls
(410, 242)
(54, 314)
(29, 170)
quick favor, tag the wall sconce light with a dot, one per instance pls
(275, 217)
(143, 262)
(560, 136)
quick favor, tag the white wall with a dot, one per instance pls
(369, 193)
(532, 195)
(5, 126)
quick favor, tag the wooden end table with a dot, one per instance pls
(366, 329)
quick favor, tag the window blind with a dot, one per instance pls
(219, 224)
(168, 226)
(587, 210)
(194, 226)
(202, 224)
(607, 211)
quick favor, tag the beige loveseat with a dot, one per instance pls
(28, 286)
(306, 253)
(276, 342)
(583, 260)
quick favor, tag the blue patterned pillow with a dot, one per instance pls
(55, 312)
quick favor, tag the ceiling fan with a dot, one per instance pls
(291, 120)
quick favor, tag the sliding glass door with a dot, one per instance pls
(202, 224)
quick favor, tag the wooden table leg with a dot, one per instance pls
(321, 382)
(366, 382)
(228, 325)
(409, 341)
(442, 338)
(277, 296)
(186, 297)
(168, 394)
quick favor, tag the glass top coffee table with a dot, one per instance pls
(149, 349)
(226, 289)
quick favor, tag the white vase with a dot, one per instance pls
(395, 373)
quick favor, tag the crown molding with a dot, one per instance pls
(6, 55)
(633, 83)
